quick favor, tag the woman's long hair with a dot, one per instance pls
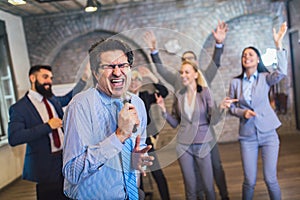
(201, 79)
(260, 66)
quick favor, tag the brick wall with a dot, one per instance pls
(63, 40)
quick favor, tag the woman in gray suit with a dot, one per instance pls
(192, 110)
(258, 121)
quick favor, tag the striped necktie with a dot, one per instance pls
(128, 171)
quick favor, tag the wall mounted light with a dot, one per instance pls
(17, 2)
(91, 6)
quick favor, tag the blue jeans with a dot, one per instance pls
(269, 144)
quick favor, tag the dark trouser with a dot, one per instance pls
(158, 175)
(141, 194)
(50, 191)
(218, 171)
(161, 184)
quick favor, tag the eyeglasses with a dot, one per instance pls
(113, 66)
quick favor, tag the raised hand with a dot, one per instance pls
(150, 40)
(279, 36)
(139, 157)
(220, 32)
(160, 101)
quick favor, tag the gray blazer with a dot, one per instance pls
(195, 130)
(265, 119)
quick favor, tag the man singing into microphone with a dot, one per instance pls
(101, 150)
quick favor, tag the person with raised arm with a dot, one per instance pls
(173, 78)
(249, 101)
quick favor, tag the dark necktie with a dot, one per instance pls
(128, 172)
(55, 131)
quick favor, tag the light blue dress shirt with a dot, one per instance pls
(248, 86)
(91, 154)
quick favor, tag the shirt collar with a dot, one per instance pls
(107, 100)
(36, 95)
(254, 75)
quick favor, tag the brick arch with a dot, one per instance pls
(46, 35)
(70, 60)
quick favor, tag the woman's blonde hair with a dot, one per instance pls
(201, 79)
(136, 75)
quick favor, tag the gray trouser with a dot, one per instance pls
(219, 174)
(189, 161)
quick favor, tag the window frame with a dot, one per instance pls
(8, 93)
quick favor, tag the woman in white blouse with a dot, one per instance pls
(192, 111)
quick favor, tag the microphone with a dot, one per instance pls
(127, 99)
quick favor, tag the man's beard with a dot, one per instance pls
(40, 88)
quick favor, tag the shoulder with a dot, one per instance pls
(205, 92)
(83, 97)
(235, 81)
(263, 74)
(136, 99)
(143, 94)
(21, 102)
(86, 93)
(139, 105)
(180, 92)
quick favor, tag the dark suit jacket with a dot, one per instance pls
(27, 126)
(149, 98)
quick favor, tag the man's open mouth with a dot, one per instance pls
(117, 82)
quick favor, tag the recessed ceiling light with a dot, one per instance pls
(17, 2)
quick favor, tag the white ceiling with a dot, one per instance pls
(42, 7)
